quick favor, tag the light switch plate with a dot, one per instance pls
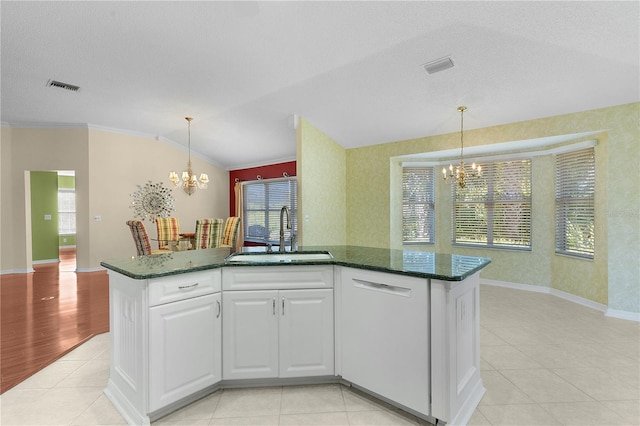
(47, 217)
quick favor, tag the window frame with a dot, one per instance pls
(490, 205)
(268, 209)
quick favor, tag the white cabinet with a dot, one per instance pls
(411, 341)
(385, 335)
(184, 348)
(306, 333)
(250, 334)
(165, 342)
(455, 356)
(278, 333)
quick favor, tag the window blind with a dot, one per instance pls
(575, 206)
(263, 200)
(494, 210)
(418, 216)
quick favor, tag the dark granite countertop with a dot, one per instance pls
(423, 264)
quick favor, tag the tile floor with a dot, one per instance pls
(545, 361)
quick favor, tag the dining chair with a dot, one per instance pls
(141, 238)
(208, 233)
(230, 233)
(168, 230)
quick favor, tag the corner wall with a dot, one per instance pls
(321, 165)
(108, 166)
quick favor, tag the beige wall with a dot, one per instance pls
(108, 167)
(6, 193)
(612, 278)
(136, 160)
(38, 150)
(321, 171)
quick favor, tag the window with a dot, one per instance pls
(66, 211)
(263, 200)
(418, 205)
(495, 210)
(575, 191)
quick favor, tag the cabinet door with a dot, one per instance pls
(250, 334)
(184, 348)
(385, 335)
(306, 333)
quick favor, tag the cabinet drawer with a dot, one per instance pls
(184, 286)
(278, 277)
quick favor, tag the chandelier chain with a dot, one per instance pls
(189, 181)
(459, 174)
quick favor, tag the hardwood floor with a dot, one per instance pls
(46, 314)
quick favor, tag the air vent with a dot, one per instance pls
(67, 86)
(438, 65)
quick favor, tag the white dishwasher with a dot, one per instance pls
(385, 335)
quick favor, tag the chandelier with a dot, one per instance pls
(189, 181)
(459, 174)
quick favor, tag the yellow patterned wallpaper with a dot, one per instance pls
(612, 278)
(321, 167)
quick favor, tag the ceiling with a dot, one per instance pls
(244, 70)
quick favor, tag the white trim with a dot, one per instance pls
(625, 315)
(17, 271)
(89, 126)
(573, 147)
(40, 262)
(505, 157)
(516, 286)
(262, 163)
(579, 300)
(614, 313)
(98, 269)
(520, 148)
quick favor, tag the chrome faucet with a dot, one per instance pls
(283, 210)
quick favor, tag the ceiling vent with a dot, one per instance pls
(438, 65)
(67, 86)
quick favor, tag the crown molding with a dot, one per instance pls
(89, 126)
(262, 163)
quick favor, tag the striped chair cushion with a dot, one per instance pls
(208, 233)
(168, 230)
(230, 231)
(140, 237)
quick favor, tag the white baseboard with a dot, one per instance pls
(632, 316)
(43, 261)
(98, 269)
(626, 315)
(17, 271)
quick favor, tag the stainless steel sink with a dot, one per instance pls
(279, 257)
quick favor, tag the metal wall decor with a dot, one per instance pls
(151, 201)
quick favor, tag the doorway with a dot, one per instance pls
(67, 220)
(53, 218)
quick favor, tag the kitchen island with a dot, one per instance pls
(400, 325)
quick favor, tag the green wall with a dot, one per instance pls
(44, 201)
